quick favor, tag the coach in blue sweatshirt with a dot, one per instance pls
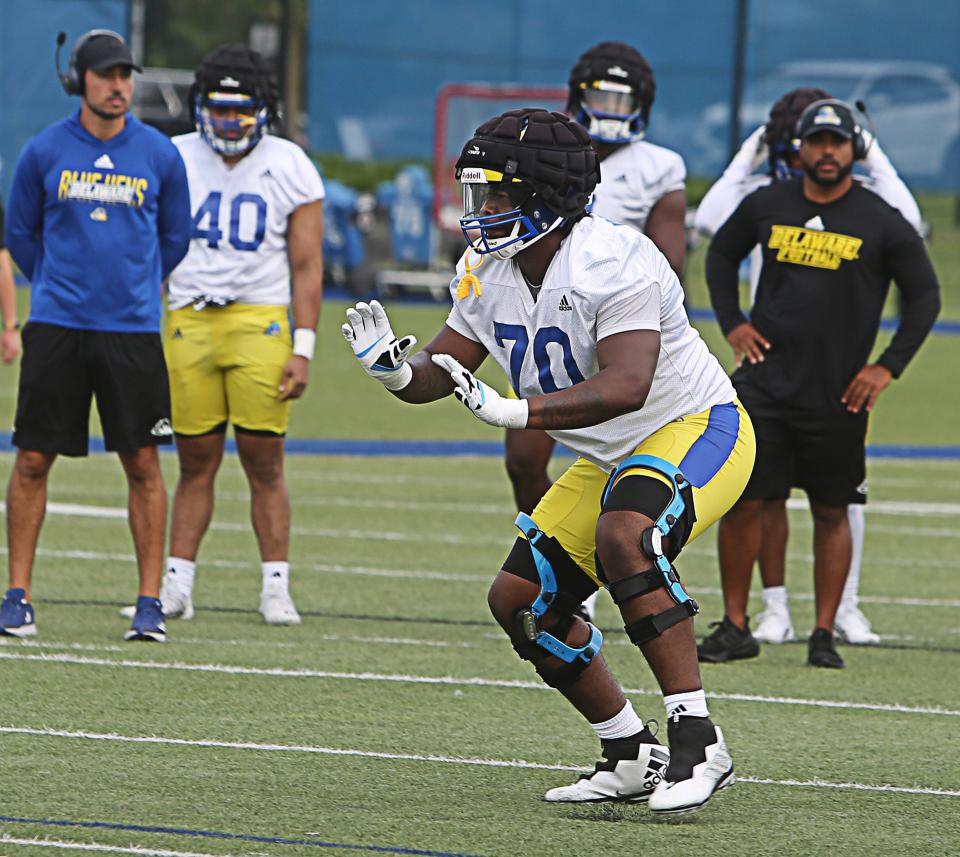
(98, 216)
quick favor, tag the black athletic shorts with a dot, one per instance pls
(822, 453)
(62, 369)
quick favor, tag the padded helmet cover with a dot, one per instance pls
(545, 149)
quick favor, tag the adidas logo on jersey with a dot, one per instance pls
(565, 305)
(177, 334)
(103, 162)
(99, 214)
(815, 223)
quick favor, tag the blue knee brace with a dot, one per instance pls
(651, 543)
(529, 618)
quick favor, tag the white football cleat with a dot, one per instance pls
(176, 604)
(700, 767)
(276, 607)
(774, 625)
(617, 780)
(851, 625)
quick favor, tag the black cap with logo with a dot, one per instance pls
(833, 116)
(102, 51)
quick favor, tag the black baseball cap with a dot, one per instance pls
(832, 116)
(103, 51)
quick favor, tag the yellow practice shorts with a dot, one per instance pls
(713, 449)
(225, 365)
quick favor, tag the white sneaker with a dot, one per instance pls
(854, 627)
(774, 625)
(695, 783)
(622, 780)
(175, 603)
(276, 607)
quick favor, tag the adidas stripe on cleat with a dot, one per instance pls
(624, 780)
(17, 618)
(700, 766)
(147, 621)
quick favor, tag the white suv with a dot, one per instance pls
(915, 106)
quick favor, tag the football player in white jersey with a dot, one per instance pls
(257, 203)
(586, 320)
(611, 92)
(774, 147)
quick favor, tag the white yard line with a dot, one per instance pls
(452, 577)
(417, 757)
(112, 849)
(877, 507)
(448, 681)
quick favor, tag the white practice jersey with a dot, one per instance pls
(633, 179)
(239, 246)
(605, 279)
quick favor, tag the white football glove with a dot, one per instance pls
(486, 403)
(380, 353)
(753, 152)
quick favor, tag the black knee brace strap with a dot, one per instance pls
(636, 585)
(650, 627)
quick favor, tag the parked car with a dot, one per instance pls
(160, 98)
(914, 105)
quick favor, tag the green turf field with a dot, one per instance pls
(397, 720)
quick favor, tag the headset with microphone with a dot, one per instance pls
(860, 144)
(72, 79)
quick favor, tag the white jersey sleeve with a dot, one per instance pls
(886, 183)
(634, 178)
(605, 279)
(238, 251)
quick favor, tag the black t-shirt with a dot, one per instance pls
(826, 273)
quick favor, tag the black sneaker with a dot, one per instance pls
(728, 643)
(821, 652)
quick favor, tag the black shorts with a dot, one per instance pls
(822, 453)
(63, 368)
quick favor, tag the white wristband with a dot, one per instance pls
(399, 379)
(516, 412)
(304, 342)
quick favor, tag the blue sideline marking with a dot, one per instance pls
(948, 327)
(475, 448)
(241, 837)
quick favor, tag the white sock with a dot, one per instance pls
(182, 572)
(693, 703)
(774, 596)
(276, 575)
(851, 589)
(623, 725)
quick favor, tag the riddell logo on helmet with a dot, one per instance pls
(616, 71)
(473, 175)
(229, 81)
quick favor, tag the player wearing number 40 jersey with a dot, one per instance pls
(586, 320)
(257, 229)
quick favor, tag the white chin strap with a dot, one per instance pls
(613, 129)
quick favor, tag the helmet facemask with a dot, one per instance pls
(610, 111)
(516, 216)
(231, 136)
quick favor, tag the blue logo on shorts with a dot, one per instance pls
(272, 330)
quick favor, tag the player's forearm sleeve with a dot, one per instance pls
(919, 306)
(25, 214)
(173, 217)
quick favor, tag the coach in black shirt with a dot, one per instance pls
(830, 250)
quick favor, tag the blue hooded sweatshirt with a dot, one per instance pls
(96, 225)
